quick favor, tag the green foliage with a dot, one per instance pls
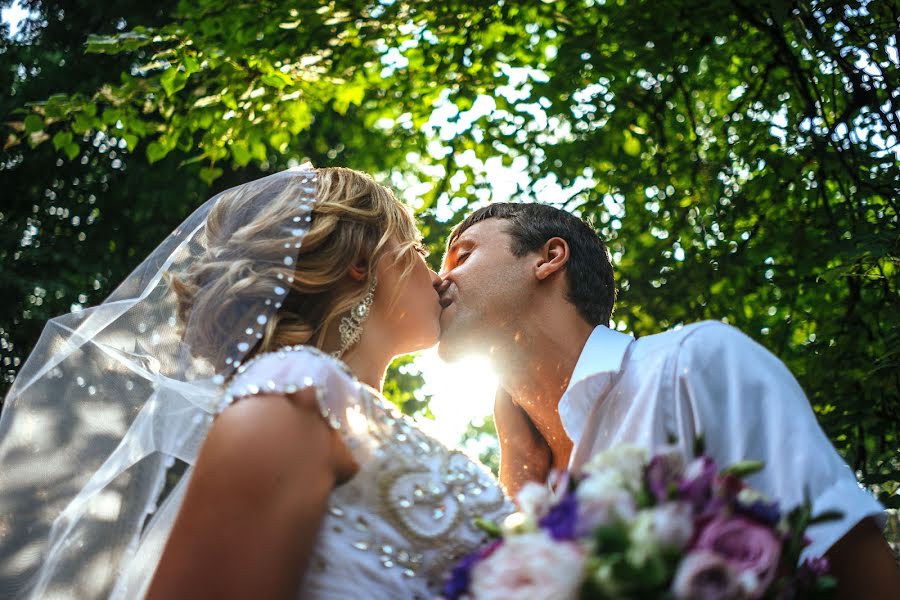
(481, 440)
(402, 387)
(739, 158)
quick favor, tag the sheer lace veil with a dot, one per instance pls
(100, 430)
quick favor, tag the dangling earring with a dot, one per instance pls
(351, 326)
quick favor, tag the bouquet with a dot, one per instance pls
(626, 527)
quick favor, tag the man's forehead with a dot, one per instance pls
(479, 231)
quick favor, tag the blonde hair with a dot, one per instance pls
(353, 217)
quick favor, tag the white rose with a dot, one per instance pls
(669, 526)
(600, 485)
(534, 499)
(626, 460)
(673, 524)
(642, 535)
(602, 499)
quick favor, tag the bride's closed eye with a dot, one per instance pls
(421, 249)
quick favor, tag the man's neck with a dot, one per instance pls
(535, 369)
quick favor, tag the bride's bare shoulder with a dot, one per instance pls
(264, 473)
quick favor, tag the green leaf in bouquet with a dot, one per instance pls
(824, 586)
(601, 582)
(643, 498)
(744, 468)
(489, 527)
(611, 538)
(573, 483)
(653, 574)
(824, 517)
(699, 446)
(797, 521)
(671, 489)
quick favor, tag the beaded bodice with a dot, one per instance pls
(396, 528)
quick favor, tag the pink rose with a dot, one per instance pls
(746, 546)
(703, 575)
(530, 566)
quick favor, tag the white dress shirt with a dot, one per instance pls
(710, 379)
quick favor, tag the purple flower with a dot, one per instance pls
(745, 545)
(560, 521)
(767, 513)
(696, 486)
(705, 575)
(728, 487)
(663, 474)
(816, 566)
(460, 577)
(805, 577)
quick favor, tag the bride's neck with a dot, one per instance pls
(369, 361)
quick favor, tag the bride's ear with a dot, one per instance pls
(553, 257)
(359, 270)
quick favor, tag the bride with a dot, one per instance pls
(216, 428)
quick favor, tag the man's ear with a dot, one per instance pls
(553, 258)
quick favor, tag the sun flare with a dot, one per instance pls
(461, 392)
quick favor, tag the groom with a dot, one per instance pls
(533, 287)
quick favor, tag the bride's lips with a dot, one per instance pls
(445, 302)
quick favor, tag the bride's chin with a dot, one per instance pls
(428, 338)
(432, 339)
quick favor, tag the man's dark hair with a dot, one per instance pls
(589, 272)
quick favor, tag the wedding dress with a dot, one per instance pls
(396, 528)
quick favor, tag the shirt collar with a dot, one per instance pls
(600, 359)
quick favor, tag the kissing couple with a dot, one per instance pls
(216, 427)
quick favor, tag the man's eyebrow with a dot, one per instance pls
(454, 248)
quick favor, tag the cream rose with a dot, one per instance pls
(530, 567)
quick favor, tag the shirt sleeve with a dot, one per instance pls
(748, 406)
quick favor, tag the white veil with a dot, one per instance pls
(100, 430)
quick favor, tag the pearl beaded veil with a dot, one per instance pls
(101, 428)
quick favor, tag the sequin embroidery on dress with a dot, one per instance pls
(398, 526)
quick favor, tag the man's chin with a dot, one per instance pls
(449, 349)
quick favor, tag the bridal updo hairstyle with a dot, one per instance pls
(353, 217)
